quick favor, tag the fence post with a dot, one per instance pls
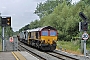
(15, 42)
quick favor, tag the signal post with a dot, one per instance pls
(5, 21)
(83, 27)
(85, 36)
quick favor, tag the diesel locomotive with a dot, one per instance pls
(43, 38)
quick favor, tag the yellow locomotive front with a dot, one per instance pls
(48, 37)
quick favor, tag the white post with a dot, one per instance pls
(3, 37)
(79, 26)
(85, 47)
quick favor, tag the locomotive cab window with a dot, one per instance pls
(37, 35)
(29, 34)
(44, 33)
(52, 33)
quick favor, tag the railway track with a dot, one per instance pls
(39, 54)
(61, 56)
(23, 48)
(68, 56)
(55, 55)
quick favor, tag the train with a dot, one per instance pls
(43, 38)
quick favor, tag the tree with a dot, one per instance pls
(34, 24)
(86, 1)
(43, 9)
(8, 32)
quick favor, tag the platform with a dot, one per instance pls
(28, 56)
(17, 55)
(6, 56)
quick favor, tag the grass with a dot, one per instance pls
(71, 47)
(88, 46)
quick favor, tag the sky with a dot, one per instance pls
(21, 11)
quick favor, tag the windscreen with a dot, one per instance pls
(44, 33)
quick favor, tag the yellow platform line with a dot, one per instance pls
(19, 56)
(15, 56)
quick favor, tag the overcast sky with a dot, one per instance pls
(21, 11)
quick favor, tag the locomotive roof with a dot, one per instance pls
(39, 29)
